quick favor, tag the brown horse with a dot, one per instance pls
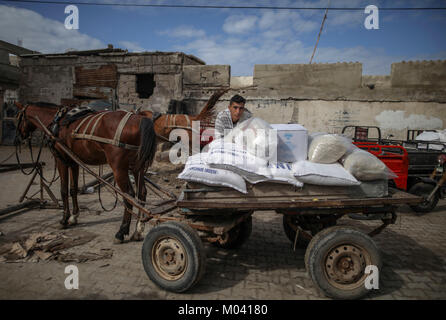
(165, 123)
(138, 134)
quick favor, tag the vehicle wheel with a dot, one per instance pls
(290, 230)
(173, 256)
(423, 190)
(336, 259)
(237, 236)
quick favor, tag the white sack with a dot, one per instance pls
(428, 136)
(255, 136)
(230, 156)
(213, 177)
(438, 138)
(323, 174)
(283, 172)
(198, 158)
(365, 166)
(327, 148)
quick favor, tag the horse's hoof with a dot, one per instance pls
(119, 238)
(136, 237)
(118, 241)
(63, 224)
(72, 221)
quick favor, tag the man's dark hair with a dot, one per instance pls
(237, 99)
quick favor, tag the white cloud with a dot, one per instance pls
(243, 54)
(42, 34)
(184, 32)
(239, 24)
(132, 46)
(286, 20)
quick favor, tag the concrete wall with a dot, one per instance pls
(241, 82)
(339, 75)
(429, 74)
(327, 97)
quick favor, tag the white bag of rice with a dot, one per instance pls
(327, 148)
(364, 166)
(283, 172)
(323, 174)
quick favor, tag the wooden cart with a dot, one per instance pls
(336, 256)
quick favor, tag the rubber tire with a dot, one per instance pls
(326, 240)
(194, 250)
(291, 235)
(238, 235)
(423, 190)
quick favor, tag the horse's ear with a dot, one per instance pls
(18, 105)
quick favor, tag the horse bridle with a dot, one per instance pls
(21, 117)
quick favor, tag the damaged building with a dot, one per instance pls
(322, 97)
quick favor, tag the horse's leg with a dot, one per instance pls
(142, 194)
(63, 174)
(123, 182)
(74, 176)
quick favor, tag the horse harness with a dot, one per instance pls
(93, 120)
(88, 114)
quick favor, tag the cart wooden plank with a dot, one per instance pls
(279, 196)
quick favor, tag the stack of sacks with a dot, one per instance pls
(332, 161)
(227, 164)
(327, 152)
(321, 168)
(253, 169)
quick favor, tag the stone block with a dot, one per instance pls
(344, 75)
(167, 68)
(207, 75)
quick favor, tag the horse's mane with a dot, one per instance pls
(44, 104)
(207, 114)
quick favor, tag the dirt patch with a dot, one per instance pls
(44, 246)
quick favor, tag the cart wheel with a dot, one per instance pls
(336, 259)
(423, 190)
(173, 256)
(290, 231)
(237, 236)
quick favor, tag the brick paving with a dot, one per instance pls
(413, 252)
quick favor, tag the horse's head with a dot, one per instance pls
(24, 126)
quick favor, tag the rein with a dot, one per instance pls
(21, 119)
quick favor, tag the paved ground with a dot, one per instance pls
(265, 267)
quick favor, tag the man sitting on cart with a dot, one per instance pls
(229, 118)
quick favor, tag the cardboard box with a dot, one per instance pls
(292, 142)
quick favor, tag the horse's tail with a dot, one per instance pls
(147, 146)
(208, 110)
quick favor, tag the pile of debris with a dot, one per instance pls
(46, 246)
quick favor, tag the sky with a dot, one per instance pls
(240, 38)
